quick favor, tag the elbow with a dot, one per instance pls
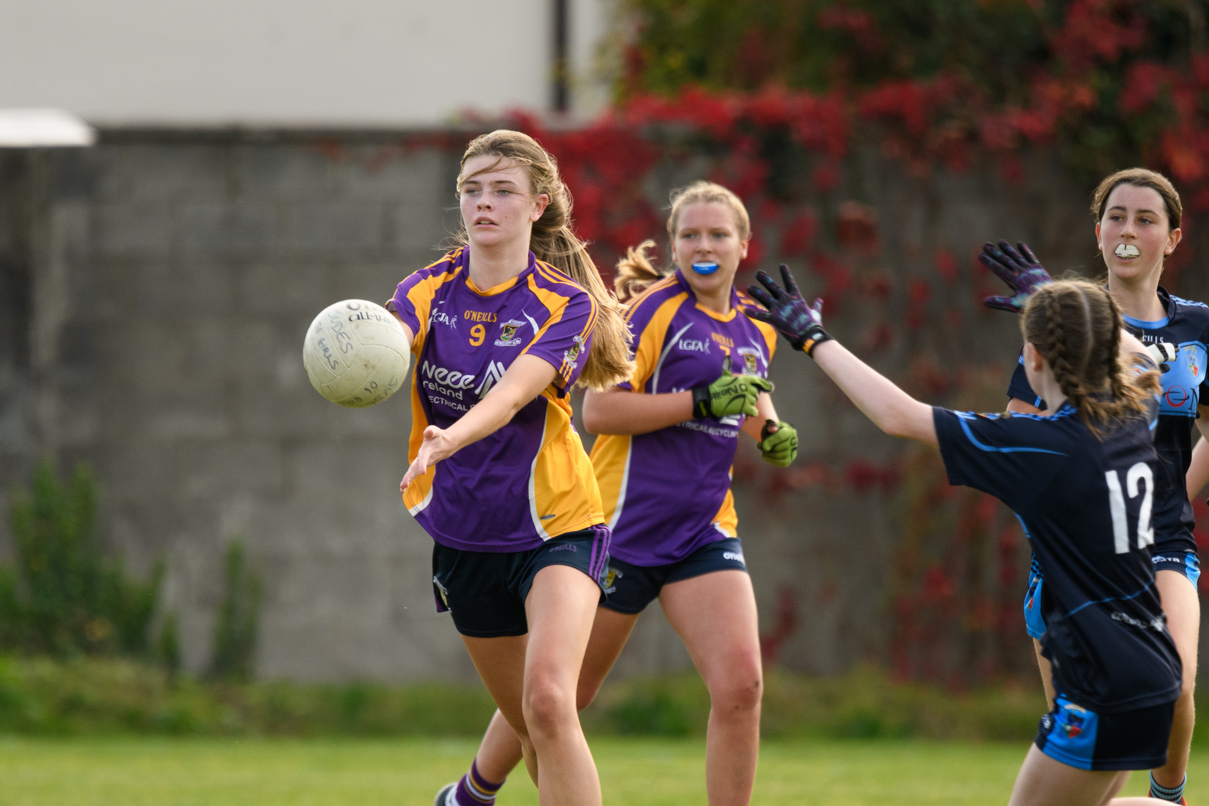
(896, 427)
(592, 420)
(900, 423)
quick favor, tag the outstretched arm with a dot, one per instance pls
(522, 382)
(890, 408)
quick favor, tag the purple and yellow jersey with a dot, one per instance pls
(667, 493)
(531, 480)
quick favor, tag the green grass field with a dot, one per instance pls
(640, 772)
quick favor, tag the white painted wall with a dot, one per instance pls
(292, 62)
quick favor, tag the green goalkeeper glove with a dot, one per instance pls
(778, 448)
(728, 396)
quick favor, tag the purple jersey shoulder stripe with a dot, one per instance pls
(649, 319)
(565, 293)
(633, 305)
(554, 275)
(413, 297)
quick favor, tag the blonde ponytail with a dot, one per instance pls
(635, 271)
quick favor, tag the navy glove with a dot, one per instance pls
(1021, 270)
(801, 324)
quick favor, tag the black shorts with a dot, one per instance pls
(1128, 740)
(631, 588)
(485, 591)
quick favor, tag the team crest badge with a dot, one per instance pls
(443, 604)
(571, 356)
(508, 337)
(610, 583)
(1072, 724)
(1192, 363)
(751, 360)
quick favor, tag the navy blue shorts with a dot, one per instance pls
(631, 588)
(485, 591)
(1185, 562)
(1128, 740)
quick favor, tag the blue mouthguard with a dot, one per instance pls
(705, 268)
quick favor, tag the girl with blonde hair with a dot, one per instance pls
(502, 328)
(667, 442)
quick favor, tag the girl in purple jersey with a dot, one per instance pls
(1081, 479)
(675, 535)
(1138, 214)
(497, 475)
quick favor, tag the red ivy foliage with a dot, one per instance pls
(1096, 72)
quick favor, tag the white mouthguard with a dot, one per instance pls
(1127, 250)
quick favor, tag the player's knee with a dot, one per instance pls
(739, 694)
(547, 706)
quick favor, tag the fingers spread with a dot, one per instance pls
(790, 284)
(760, 295)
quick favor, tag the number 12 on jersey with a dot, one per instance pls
(1139, 474)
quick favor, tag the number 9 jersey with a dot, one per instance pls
(530, 480)
(1088, 508)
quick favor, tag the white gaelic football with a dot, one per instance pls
(356, 353)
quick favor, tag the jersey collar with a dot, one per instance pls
(464, 261)
(721, 317)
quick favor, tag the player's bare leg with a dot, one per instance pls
(500, 750)
(1045, 782)
(715, 615)
(501, 666)
(1183, 608)
(560, 609)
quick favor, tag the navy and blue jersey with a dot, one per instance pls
(1087, 506)
(1186, 327)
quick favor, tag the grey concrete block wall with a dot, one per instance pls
(169, 296)
(154, 292)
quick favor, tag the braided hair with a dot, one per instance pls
(1076, 327)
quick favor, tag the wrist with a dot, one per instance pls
(812, 339)
(770, 427)
(701, 408)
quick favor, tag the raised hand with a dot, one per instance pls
(728, 396)
(1019, 268)
(801, 324)
(778, 443)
